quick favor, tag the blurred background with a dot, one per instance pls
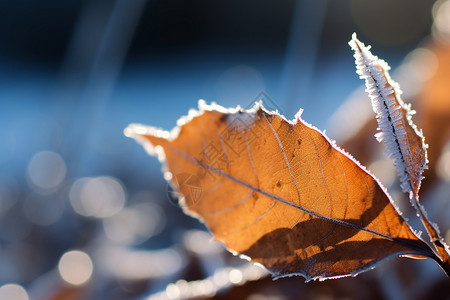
(85, 212)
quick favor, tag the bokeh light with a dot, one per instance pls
(13, 291)
(441, 13)
(198, 241)
(418, 66)
(99, 197)
(46, 169)
(140, 264)
(75, 267)
(235, 276)
(135, 223)
(172, 291)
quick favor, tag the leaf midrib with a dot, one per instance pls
(420, 250)
(282, 200)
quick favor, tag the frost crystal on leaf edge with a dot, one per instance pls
(385, 94)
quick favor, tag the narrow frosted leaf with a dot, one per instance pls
(404, 142)
(280, 192)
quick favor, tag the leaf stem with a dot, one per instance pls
(433, 232)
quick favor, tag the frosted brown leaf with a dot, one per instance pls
(404, 142)
(281, 193)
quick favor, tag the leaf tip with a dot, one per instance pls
(134, 129)
(298, 116)
(357, 45)
(140, 134)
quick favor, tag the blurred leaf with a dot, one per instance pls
(434, 105)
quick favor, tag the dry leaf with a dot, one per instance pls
(280, 192)
(404, 142)
(425, 70)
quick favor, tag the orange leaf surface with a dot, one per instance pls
(280, 192)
